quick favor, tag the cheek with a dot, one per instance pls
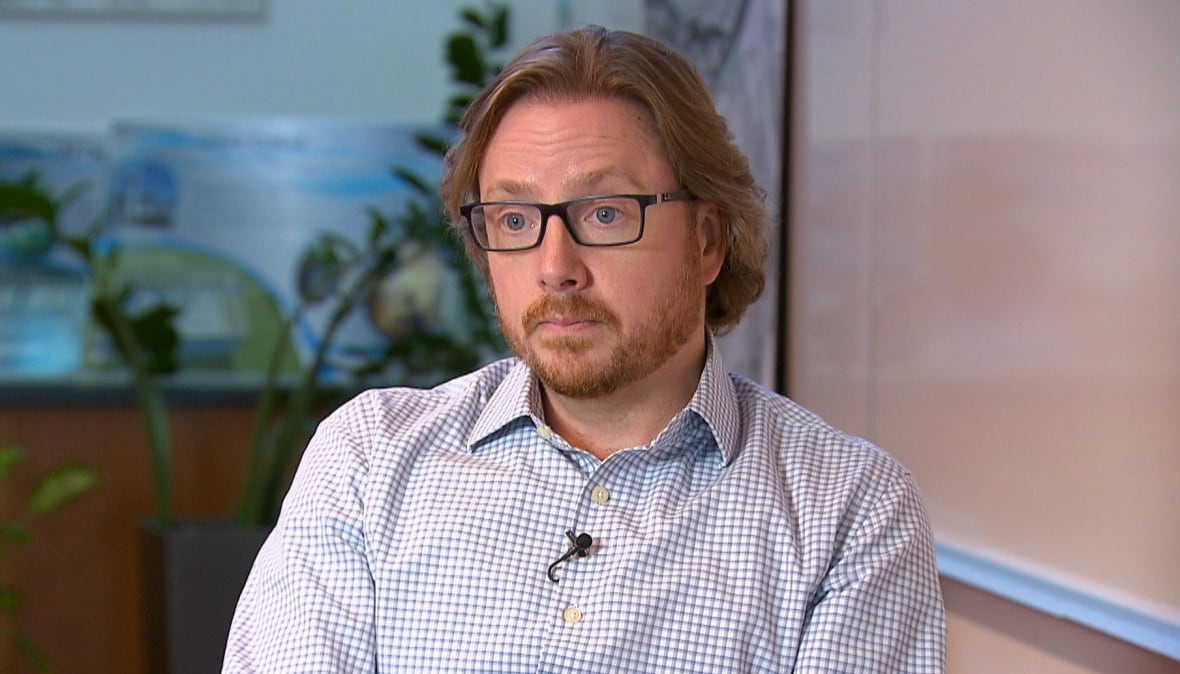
(507, 291)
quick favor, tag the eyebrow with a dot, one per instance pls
(520, 190)
(512, 189)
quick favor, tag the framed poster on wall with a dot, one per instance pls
(226, 222)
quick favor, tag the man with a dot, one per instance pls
(611, 500)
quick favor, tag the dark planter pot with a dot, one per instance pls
(193, 574)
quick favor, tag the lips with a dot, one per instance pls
(564, 321)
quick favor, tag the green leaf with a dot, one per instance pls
(81, 245)
(9, 599)
(26, 199)
(378, 226)
(13, 531)
(461, 99)
(432, 143)
(456, 107)
(10, 458)
(322, 267)
(60, 486)
(32, 655)
(473, 17)
(464, 57)
(499, 29)
(155, 330)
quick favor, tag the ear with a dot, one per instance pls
(712, 239)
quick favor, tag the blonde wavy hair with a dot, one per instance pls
(592, 63)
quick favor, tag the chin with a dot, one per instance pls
(573, 369)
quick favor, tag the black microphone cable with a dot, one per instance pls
(579, 545)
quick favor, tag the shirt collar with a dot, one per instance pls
(714, 401)
(515, 397)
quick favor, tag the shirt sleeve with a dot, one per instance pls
(308, 603)
(880, 609)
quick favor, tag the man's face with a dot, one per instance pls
(589, 321)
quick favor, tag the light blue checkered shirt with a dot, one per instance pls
(747, 537)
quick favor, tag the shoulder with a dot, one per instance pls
(393, 422)
(808, 452)
(846, 491)
(389, 429)
(398, 406)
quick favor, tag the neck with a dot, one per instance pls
(633, 415)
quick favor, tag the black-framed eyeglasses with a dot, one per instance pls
(605, 220)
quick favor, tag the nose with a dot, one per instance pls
(561, 266)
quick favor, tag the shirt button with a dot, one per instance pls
(599, 495)
(572, 615)
(544, 432)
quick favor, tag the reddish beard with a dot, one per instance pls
(561, 361)
(564, 371)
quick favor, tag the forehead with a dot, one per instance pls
(543, 145)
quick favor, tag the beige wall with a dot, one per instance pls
(985, 217)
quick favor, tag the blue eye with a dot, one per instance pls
(515, 222)
(606, 214)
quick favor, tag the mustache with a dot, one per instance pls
(574, 307)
